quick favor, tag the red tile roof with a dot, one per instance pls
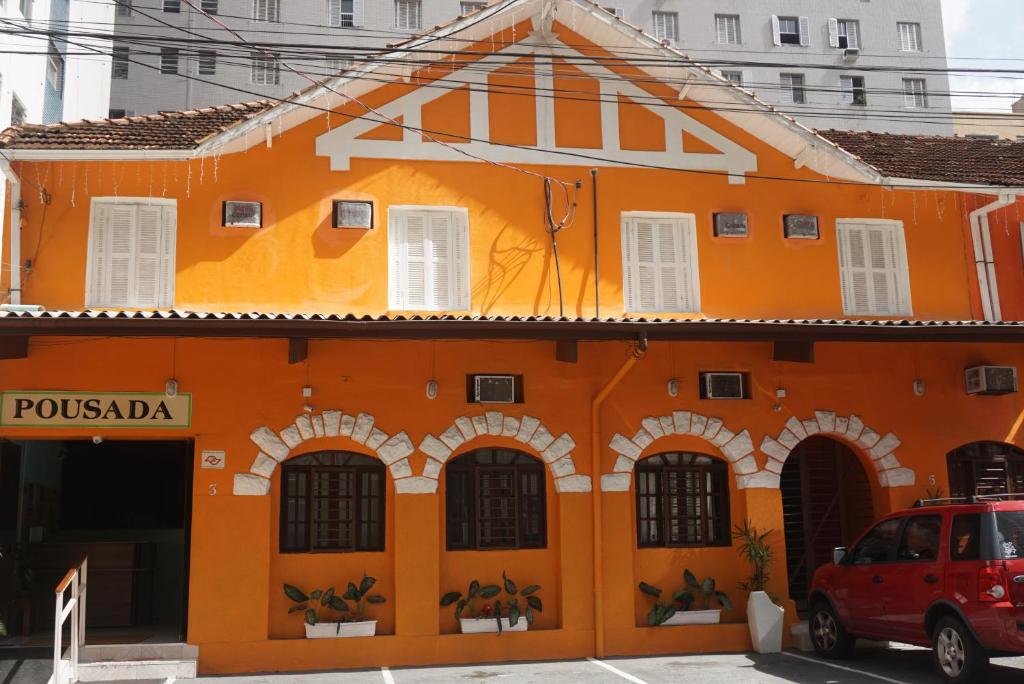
(936, 158)
(163, 131)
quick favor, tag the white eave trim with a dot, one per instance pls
(98, 155)
(917, 183)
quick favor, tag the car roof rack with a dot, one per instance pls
(974, 498)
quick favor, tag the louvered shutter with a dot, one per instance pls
(833, 33)
(853, 34)
(776, 32)
(748, 80)
(646, 265)
(414, 286)
(146, 271)
(659, 265)
(429, 260)
(805, 31)
(120, 244)
(334, 12)
(873, 275)
(168, 259)
(358, 12)
(460, 263)
(131, 255)
(439, 274)
(99, 261)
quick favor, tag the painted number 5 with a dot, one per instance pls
(931, 479)
(213, 490)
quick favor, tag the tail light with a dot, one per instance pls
(991, 584)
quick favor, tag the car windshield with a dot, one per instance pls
(1010, 534)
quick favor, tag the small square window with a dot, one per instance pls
(243, 215)
(731, 224)
(353, 214)
(800, 226)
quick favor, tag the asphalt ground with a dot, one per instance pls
(895, 665)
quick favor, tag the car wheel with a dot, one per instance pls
(958, 656)
(828, 635)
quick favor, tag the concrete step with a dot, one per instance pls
(91, 653)
(108, 670)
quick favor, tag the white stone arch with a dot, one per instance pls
(881, 449)
(555, 452)
(276, 447)
(737, 447)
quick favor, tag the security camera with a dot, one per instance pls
(97, 439)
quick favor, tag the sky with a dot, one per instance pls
(993, 29)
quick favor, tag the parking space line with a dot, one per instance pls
(625, 675)
(386, 674)
(843, 667)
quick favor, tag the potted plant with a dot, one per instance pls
(677, 611)
(500, 616)
(764, 617)
(351, 623)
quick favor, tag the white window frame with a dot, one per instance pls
(901, 273)
(909, 36)
(728, 26)
(397, 294)
(266, 11)
(630, 274)
(662, 30)
(470, 7)
(265, 70)
(120, 62)
(404, 23)
(843, 27)
(803, 27)
(165, 293)
(337, 17)
(55, 68)
(848, 90)
(914, 98)
(788, 88)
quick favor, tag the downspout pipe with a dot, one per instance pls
(12, 178)
(984, 258)
(598, 505)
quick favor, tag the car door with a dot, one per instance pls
(861, 586)
(920, 569)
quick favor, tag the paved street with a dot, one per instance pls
(897, 665)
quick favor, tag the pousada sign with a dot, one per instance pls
(95, 409)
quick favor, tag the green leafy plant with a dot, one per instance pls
(706, 589)
(931, 494)
(511, 608)
(317, 601)
(755, 549)
(684, 598)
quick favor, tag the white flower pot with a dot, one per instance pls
(337, 630)
(482, 625)
(695, 617)
(765, 621)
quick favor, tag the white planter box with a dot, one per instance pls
(336, 630)
(765, 621)
(483, 625)
(695, 617)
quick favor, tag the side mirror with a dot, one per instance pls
(838, 554)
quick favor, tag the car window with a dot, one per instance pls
(1010, 534)
(965, 537)
(877, 545)
(920, 541)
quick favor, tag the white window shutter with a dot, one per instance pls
(805, 31)
(358, 12)
(396, 260)
(748, 80)
(334, 12)
(776, 31)
(629, 266)
(429, 260)
(414, 285)
(440, 271)
(645, 251)
(99, 258)
(146, 271)
(460, 263)
(833, 33)
(168, 259)
(853, 34)
(872, 261)
(659, 265)
(120, 263)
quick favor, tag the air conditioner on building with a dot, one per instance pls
(494, 389)
(851, 54)
(722, 385)
(991, 379)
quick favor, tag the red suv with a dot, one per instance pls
(947, 574)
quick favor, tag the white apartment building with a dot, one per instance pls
(849, 64)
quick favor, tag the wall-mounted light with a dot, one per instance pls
(171, 387)
(431, 389)
(307, 391)
(673, 387)
(919, 387)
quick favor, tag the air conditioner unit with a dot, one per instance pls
(851, 54)
(991, 379)
(722, 385)
(494, 389)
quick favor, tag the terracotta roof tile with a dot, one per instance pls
(936, 158)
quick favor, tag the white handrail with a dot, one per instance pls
(76, 579)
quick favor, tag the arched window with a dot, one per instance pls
(986, 468)
(332, 501)
(494, 499)
(682, 499)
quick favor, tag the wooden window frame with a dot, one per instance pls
(468, 465)
(357, 497)
(719, 472)
(958, 460)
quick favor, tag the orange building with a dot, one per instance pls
(533, 295)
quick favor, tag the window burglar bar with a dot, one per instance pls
(682, 499)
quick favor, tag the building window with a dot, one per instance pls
(666, 26)
(428, 252)
(209, 6)
(495, 499)
(659, 263)
(682, 499)
(982, 468)
(728, 28)
(266, 10)
(470, 7)
(119, 113)
(55, 69)
(852, 90)
(910, 36)
(266, 69)
(131, 253)
(915, 93)
(873, 269)
(168, 60)
(119, 62)
(206, 63)
(844, 33)
(332, 501)
(173, 6)
(790, 30)
(18, 112)
(341, 13)
(123, 8)
(620, 12)
(793, 89)
(408, 15)
(25, 7)
(734, 76)
(336, 64)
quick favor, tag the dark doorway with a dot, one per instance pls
(126, 505)
(826, 502)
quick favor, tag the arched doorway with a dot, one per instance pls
(981, 468)
(826, 502)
